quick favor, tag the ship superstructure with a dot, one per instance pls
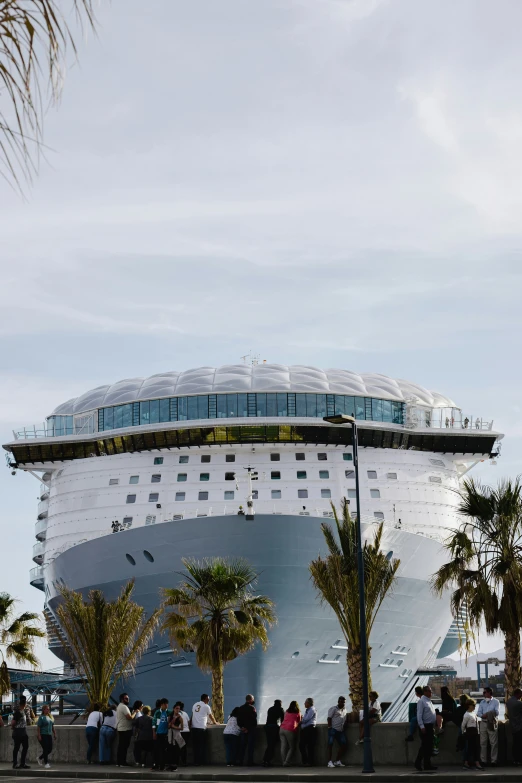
(138, 474)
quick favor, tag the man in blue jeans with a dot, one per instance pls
(336, 726)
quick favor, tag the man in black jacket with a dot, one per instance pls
(247, 722)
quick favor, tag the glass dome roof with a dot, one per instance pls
(253, 378)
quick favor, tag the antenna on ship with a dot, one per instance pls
(252, 475)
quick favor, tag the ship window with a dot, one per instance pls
(155, 478)
(127, 521)
(134, 479)
(301, 474)
(391, 475)
(438, 462)
(302, 493)
(378, 515)
(178, 516)
(328, 514)
(349, 474)
(148, 556)
(322, 456)
(230, 476)
(399, 662)
(153, 497)
(182, 476)
(230, 457)
(296, 654)
(130, 559)
(255, 494)
(347, 457)
(372, 474)
(205, 457)
(436, 479)
(352, 493)
(229, 494)
(324, 474)
(375, 493)
(204, 476)
(180, 496)
(276, 494)
(112, 482)
(150, 519)
(131, 498)
(158, 460)
(275, 474)
(326, 493)
(300, 456)
(275, 457)
(202, 495)
(183, 460)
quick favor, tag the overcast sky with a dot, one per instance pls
(326, 182)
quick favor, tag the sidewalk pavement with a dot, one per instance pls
(382, 774)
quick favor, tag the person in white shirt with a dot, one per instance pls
(470, 731)
(185, 732)
(426, 718)
(488, 711)
(124, 729)
(231, 738)
(336, 725)
(92, 729)
(375, 714)
(201, 713)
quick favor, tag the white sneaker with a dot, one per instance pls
(338, 764)
(47, 766)
(331, 764)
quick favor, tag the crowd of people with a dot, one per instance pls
(477, 728)
(162, 735)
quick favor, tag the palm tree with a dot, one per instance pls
(336, 580)
(104, 639)
(215, 612)
(34, 39)
(485, 567)
(17, 636)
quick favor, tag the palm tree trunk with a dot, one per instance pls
(354, 661)
(218, 706)
(512, 670)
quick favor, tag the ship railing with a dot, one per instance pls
(422, 416)
(419, 529)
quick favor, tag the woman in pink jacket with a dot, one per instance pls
(289, 732)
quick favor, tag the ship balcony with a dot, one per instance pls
(38, 552)
(36, 577)
(40, 529)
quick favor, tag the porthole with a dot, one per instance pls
(148, 556)
(296, 654)
(130, 559)
(389, 555)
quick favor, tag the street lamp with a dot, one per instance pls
(342, 418)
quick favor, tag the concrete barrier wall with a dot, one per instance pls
(389, 746)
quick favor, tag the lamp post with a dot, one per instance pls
(342, 418)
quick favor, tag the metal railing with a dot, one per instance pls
(40, 529)
(36, 575)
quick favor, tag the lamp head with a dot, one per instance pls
(340, 418)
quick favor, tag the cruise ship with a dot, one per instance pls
(136, 475)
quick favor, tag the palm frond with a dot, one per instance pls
(35, 37)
